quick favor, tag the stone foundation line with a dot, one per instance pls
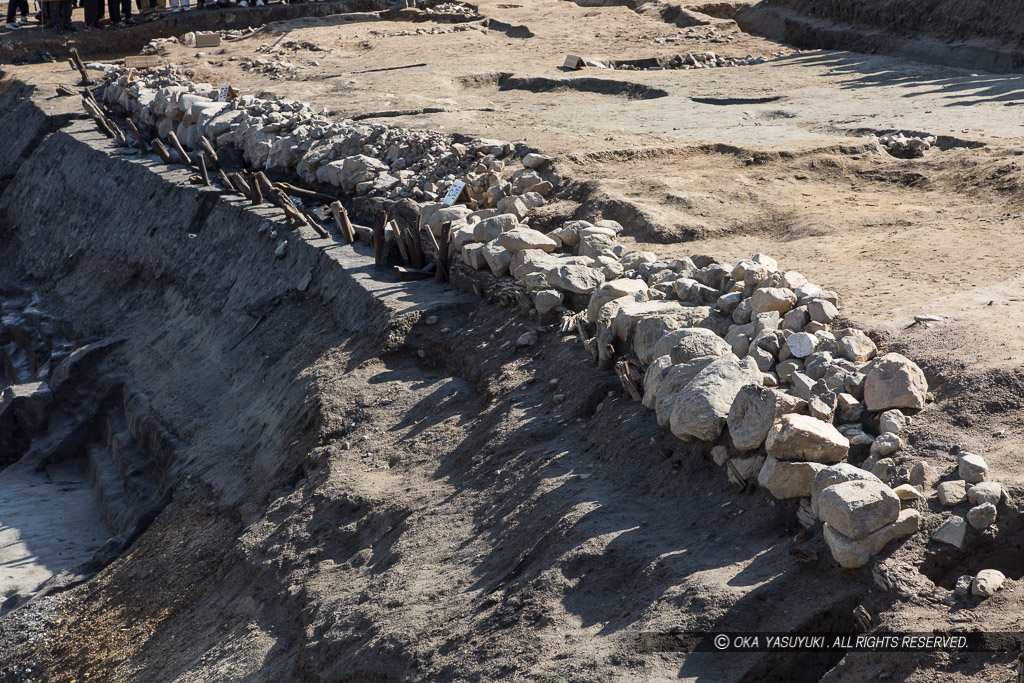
(744, 356)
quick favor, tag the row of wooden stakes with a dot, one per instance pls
(257, 188)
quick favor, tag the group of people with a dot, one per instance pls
(56, 14)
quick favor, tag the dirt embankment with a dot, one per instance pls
(943, 19)
(978, 34)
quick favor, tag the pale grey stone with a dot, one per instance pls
(702, 407)
(787, 479)
(952, 532)
(858, 507)
(987, 582)
(982, 516)
(895, 381)
(751, 416)
(852, 553)
(802, 437)
(951, 492)
(985, 492)
(971, 467)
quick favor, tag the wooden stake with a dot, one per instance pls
(158, 147)
(241, 185)
(378, 238)
(226, 181)
(313, 222)
(65, 91)
(400, 240)
(138, 136)
(108, 127)
(202, 169)
(205, 146)
(605, 347)
(628, 385)
(266, 187)
(342, 221)
(660, 450)
(441, 258)
(185, 159)
(305, 194)
(257, 193)
(76, 62)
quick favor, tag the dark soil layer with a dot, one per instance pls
(948, 19)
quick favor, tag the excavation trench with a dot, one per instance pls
(337, 479)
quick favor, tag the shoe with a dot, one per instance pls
(243, 3)
(58, 29)
(260, 3)
(69, 27)
(12, 26)
(189, 8)
(176, 9)
(122, 24)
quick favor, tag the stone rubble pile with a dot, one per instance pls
(977, 498)
(276, 69)
(286, 136)
(157, 45)
(902, 147)
(746, 356)
(432, 31)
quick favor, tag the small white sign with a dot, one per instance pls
(222, 96)
(453, 194)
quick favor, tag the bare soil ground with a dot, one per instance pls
(456, 525)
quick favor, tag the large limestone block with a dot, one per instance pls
(675, 379)
(703, 406)
(851, 553)
(856, 508)
(626, 312)
(652, 380)
(692, 342)
(751, 416)
(802, 437)
(837, 474)
(575, 279)
(895, 381)
(490, 228)
(767, 299)
(785, 479)
(521, 238)
(498, 258)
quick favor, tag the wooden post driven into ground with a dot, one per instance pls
(76, 62)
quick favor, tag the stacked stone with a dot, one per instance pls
(905, 147)
(968, 490)
(708, 60)
(283, 135)
(741, 349)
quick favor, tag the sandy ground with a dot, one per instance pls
(481, 533)
(50, 521)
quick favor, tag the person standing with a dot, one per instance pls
(116, 7)
(12, 11)
(93, 14)
(57, 14)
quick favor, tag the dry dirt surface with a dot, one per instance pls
(407, 502)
